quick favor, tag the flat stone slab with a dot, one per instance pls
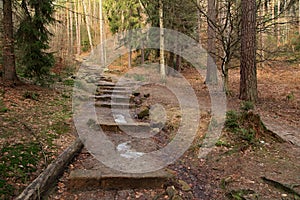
(105, 83)
(110, 87)
(106, 179)
(117, 92)
(113, 98)
(286, 132)
(129, 127)
(114, 105)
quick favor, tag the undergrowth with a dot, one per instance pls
(17, 162)
(244, 128)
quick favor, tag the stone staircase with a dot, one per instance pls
(113, 107)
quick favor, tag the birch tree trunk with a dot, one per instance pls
(103, 60)
(162, 41)
(87, 21)
(78, 28)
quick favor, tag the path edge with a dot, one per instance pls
(37, 188)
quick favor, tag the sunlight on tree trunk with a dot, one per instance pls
(71, 29)
(87, 21)
(103, 60)
(162, 41)
(248, 79)
(77, 26)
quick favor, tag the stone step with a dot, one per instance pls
(117, 105)
(135, 127)
(113, 98)
(105, 83)
(104, 78)
(108, 87)
(97, 178)
(117, 92)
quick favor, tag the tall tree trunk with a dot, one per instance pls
(78, 28)
(248, 79)
(162, 41)
(103, 59)
(71, 29)
(299, 17)
(211, 73)
(278, 24)
(87, 21)
(8, 43)
(200, 21)
(68, 42)
(262, 38)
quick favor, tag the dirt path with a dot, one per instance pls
(227, 172)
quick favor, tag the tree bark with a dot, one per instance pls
(78, 28)
(162, 41)
(8, 43)
(71, 29)
(103, 59)
(211, 73)
(87, 21)
(248, 79)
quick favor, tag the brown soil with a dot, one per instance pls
(228, 172)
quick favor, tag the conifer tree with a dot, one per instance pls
(33, 38)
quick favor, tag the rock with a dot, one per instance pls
(155, 130)
(158, 116)
(143, 113)
(134, 93)
(147, 95)
(184, 186)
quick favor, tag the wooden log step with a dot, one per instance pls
(96, 178)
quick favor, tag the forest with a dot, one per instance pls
(141, 99)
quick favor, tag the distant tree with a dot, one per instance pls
(248, 79)
(8, 43)
(124, 16)
(33, 38)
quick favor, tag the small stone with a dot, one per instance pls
(144, 113)
(284, 195)
(136, 93)
(155, 130)
(184, 186)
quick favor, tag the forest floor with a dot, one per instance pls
(36, 125)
